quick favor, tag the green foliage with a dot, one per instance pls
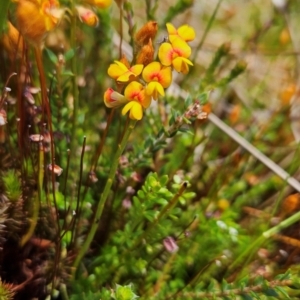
(12, 185)
(167, 207)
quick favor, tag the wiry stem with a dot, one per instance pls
(104, 196)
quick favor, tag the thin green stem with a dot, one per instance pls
(115, 162)
(209, 24)
(261, 239)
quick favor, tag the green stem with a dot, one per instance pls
(104, 196)
(265, 235)
(4, 4)
(210, 22)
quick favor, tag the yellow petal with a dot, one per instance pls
(181, 64)
(146, 100)
(133, 91)
(137, 69)
(165, 53)
(166, 76)
(186, 32)
(135, 110)
(153, 89)
(126, 77)
(181, 47)
(171, 29)
(150, 70)
(116, 70)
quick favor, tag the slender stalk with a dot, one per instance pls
(261, 239)
(208, 26)
(46, 107)
(115, 162)
(75, 91)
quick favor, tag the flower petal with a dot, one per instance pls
(181, 48)
(153, 89)
(133, 90)
(113, 98)
(165, 54)
(181, 64)
(186, 32)
(116, 70)
(135, 110)
(150, 70)
(171, 29)
(137, 69)
(166, 76)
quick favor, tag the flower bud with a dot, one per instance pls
(87, 16)
(146, 55)
(147, 32)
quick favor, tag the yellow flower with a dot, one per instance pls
(138, 99)
(37, 17)
(100, 3)
(175, 54)
(87, 16)
(184, 32)
(113, 98)
(158, 77)
(121, 73)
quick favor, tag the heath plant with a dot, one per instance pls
(113, 184)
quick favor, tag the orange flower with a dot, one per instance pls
(158, 77)
(121, 73)
(37, 17)
(175, 54)
(184, 32)
(138, 99)
(87, 16)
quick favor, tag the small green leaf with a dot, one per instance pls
(51, 56)
(69, 54)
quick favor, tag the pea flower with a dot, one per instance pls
(36, 18)
(121, 73)
(87, 16)
(113, 98)
(158, 77)
(175, 54)
(184, 32)
(138, 99)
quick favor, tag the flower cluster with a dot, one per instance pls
(37, 17)
(148, 79)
